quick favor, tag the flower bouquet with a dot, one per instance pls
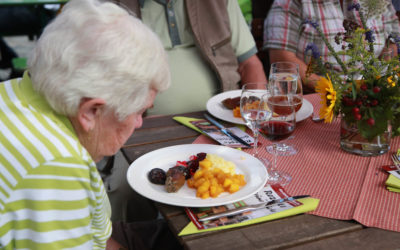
(364, 92)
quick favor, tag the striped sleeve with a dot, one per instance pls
(54, 209)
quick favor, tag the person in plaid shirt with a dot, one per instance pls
(287, 35)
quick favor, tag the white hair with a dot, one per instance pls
(98, 50)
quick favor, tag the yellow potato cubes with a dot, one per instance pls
(215, 176)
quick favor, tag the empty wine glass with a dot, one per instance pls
(283, 80)
(249, 101)
(279, 126)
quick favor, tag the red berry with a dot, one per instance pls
(357, 116)
(355, 110)
(346, 101)
(371, 121)
(363, 87)
(359, 103)
(374, 102)
(376, 89)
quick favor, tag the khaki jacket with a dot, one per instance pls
(209, 21)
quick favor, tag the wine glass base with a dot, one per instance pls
(278, 177)
(282, 149)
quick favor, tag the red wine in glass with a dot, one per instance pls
(276, 130)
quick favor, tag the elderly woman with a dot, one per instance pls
(93, 73)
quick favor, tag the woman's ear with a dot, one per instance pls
(89, 109)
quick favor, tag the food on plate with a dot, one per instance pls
(176, 177)
(209, 174)
(231, 103)
(215, 176)
(234, 105)
(157, 176)
(236, 112)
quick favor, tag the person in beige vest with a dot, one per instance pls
(210, 49)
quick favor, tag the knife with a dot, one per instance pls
(251, 207)
(226, 131)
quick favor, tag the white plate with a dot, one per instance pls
(217, 109)
(253, 170)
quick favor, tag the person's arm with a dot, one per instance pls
(391, 25)
(251, 70)
(278, 55)
(114, 245)
(394, 49)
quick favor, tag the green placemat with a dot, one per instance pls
(393, 182)
(309, 204)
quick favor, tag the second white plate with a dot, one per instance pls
(217, 109)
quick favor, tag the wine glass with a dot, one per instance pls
(283, 80)
(249, 101)
(279, 126)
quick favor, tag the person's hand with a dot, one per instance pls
(114, 245)
(309, 83)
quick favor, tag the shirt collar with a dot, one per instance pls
(38, 102)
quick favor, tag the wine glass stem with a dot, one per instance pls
(274, 145)
(255, 144)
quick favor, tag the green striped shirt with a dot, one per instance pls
(51, 195)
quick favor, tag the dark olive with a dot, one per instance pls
(157, 176)
(192, 167)
(201, 156)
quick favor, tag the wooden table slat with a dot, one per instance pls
(369, 238)
(132, 153)
(161, 134)
(281, 233)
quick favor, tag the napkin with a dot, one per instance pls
(392, 189)
(186, 121)
(309, 204)
(393, 184)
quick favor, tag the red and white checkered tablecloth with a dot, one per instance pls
(348, 186)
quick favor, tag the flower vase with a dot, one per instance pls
(352, 141)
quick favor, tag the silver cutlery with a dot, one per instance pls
(251, 207)
(316, 118)
(396, 160)
(226, 131)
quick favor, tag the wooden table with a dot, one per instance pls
(299, 232)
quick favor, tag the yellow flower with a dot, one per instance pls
(328, 98)
(390, 81)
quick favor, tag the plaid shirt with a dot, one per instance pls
(284, 28)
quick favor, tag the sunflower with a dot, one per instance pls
(328, 98)
(391, 82)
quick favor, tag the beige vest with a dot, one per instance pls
(209, 21)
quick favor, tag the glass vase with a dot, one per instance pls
(352, 141)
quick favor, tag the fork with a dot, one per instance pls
(396, 160)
